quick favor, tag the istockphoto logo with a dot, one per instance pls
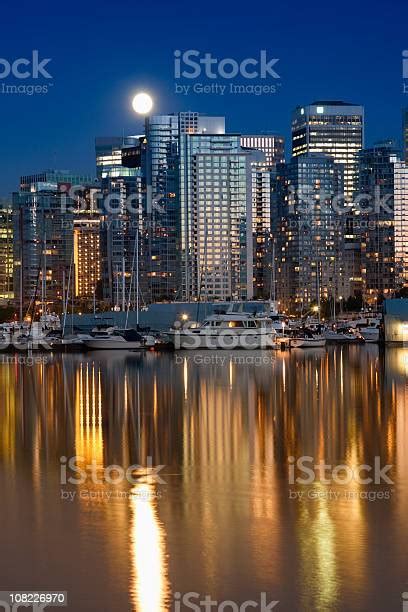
(257, 75)
(25, 75)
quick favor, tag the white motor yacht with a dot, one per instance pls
(115, 339)
(230, 330)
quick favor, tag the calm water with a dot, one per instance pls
(223, 522)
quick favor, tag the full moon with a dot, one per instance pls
(142, 103)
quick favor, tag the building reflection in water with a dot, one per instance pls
(224, 432)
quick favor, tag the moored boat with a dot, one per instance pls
(229, 330)
(127, 339)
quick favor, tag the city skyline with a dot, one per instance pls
(92, 82)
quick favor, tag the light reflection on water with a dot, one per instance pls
(223, 523)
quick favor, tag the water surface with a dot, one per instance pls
(223, 425)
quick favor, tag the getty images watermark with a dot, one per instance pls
(77, 472)
(307, 471)
(225, 76)
(25, 75)
(196, 601)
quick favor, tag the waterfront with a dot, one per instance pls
(223, 425)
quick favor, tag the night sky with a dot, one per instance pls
(103, 52)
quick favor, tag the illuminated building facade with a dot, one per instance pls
(401, 224)
(87, 261)
(164, 194)
(336, 128)
(261, 182)
(6, 252)
(308, 233)
(122, 230)
(43, 221)
(405, 133)
(113, 154)
(216, 218)
(383, 178)
(272, 145)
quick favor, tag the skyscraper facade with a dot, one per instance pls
(6, 252)
(383, 185)
(405, 134)
(262, 176)
(163, 187)
(272, 145)
(216, 217)
(401, 224)
(336, 128)
(87, 258)
(308, 232)
(43, 222)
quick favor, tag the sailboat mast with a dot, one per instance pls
(273, 272)
(137, 276)
(318, 290)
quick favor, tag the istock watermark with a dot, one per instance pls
(76, 471)
(144, 480)
(25, 76)
(196, 601)
(225, 76)
(305, 471)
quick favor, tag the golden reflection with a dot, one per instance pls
(88, 412)
(150, 586)
(228, 445)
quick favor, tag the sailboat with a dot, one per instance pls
(307, 338)
(125, 339)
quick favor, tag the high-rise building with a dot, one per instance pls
(113, 154)
(119, 163)
(43, 222)
(405, 134)
(164, 192)
(263, 273)
(87, 256)
(6, 252)
(308, 233)
(272, 145)
(216, 217)
(383, 186)
(401, 224)
(53, 180)
(336, 128)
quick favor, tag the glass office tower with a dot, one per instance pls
(272, 145)
(308, 232)
(336, 128)
(405, 134)
(6, 252)
(383, 178)
(401, 224)
(216, 217)
(162, 206)
(43, 221)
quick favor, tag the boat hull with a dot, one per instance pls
(372, 335)
(193, 340)
(99, 345)
(336, 337)
(308, 342)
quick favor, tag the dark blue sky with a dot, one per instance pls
(102, 52)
